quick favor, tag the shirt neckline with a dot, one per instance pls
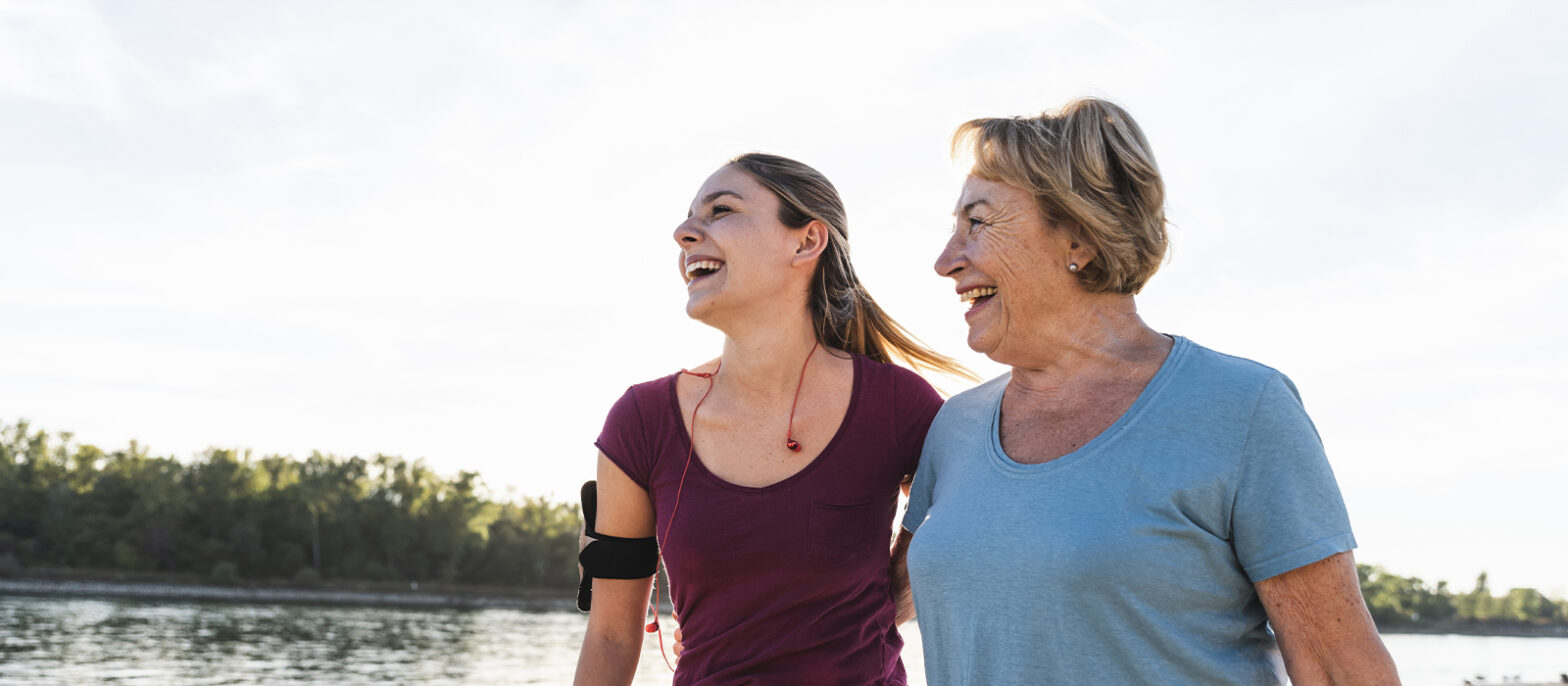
(857, 373)
(999, 457)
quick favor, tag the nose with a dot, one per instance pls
(686, 233)
(951, 261)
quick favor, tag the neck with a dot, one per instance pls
(1106, 335)
(766, 356)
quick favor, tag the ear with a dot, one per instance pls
(1081, 252)
(1078, 251)
(810, 241)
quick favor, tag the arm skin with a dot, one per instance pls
(615, 622)
(903, 599)
(1325, 633)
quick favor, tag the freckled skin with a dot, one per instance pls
(744, 233)
(758, 299)
(1002, 240)
(1079, 360)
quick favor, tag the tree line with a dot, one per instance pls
(229, 516)
(1407, 601)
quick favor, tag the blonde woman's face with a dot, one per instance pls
(733, 248)
(1009, 267)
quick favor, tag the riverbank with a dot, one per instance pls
(1482, 629)
(72, 583)
(177, 588)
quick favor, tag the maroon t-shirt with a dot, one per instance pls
(788, 583)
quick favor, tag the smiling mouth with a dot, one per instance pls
(701, 268)
(976, 297)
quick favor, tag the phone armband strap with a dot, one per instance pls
(610, 557)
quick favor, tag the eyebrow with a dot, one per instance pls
(973, 205)
(718, 194)
(715, 196)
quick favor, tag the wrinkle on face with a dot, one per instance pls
(1010, 248)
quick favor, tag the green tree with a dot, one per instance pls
(227, 516)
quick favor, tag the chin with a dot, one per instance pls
(700, 308)
(984, 342)
(976, 336)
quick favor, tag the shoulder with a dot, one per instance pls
(1215, 377)
(657, 386)
(661, 387)
(1238, 399)
(975, 404)
(1214, 363)
(641, 398)
(982, 395)
(887, 374)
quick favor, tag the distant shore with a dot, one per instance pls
(179, 588)
(1482, 629)
(176, 588)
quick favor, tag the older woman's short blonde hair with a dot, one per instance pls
(1091, 171)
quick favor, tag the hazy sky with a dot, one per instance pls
(444, 230)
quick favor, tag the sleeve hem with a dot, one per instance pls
(905, 522)
(1301, 557)
(622, 464)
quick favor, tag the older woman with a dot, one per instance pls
(1125, 506)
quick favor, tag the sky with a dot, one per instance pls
(443, 231)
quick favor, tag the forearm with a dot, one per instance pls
(903, 598)
(1367, 664)
(1325, 633)
(607, 660)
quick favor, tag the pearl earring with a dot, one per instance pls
(1072, 267)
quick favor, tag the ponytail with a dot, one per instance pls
(842, 311)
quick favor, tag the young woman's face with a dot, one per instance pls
(734, 250)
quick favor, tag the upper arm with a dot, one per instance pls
(1325, 633)
(1286, 508)
(624, 507)
(624, 510)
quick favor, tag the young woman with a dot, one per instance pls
(766, 479)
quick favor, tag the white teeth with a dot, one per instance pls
(973, 293)
(710, 265)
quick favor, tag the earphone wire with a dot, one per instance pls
(653, 627)
(789, 430)
(691, 450)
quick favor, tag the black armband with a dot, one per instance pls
(610, 557)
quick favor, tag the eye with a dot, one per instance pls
(721, 209)
(975, 224)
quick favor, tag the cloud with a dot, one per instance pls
(63, 53)
(446, 233)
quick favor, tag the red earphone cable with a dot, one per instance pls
(653, 626)
(789, 442)
(789, 431)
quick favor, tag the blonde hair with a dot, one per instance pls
(1087, 165)
(842, 311)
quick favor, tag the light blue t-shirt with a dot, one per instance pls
(1131, 559)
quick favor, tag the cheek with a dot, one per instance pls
(1008, 259)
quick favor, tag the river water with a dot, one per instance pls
(67, 642)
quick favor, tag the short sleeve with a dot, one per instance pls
(624, 441)
(920, 497)
(917, 404)
(1288, 510)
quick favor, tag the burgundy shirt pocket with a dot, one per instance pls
(843, 532)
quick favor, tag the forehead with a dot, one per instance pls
(733, 179)
(978, 191)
